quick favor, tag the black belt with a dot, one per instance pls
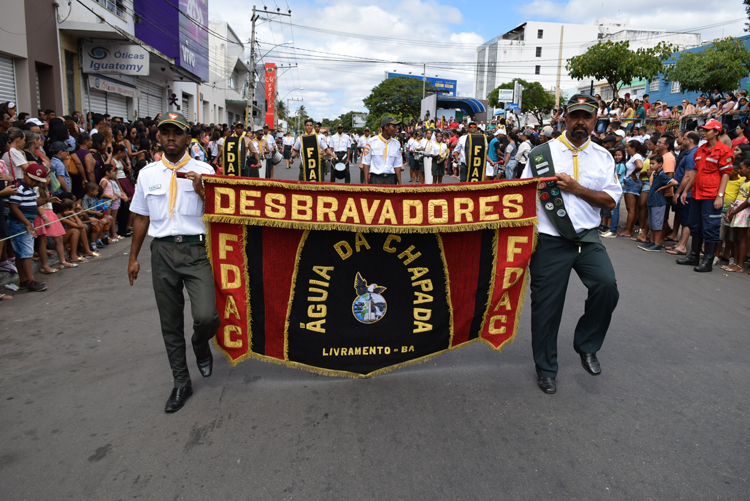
(178, 239)
(382, 175)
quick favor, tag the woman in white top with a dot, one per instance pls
(213, 147)
(522, 156)
(602, 114)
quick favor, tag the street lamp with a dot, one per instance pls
(277, 45)
(301, 88)
(287, 107)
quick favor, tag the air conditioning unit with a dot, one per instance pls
(201, 96)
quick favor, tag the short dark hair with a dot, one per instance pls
(91, 186)
(693, 136)
(657, 158)
(310, 120)
(97, 118)
(669, 140)
(47, 112)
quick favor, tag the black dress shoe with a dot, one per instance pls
(206, 365)
(177, 398)
(547, 385)
(591, 363)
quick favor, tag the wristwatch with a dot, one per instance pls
(721, 195)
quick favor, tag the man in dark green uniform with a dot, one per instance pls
(568, 210)
(168, 203)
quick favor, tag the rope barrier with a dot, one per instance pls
(58, 219)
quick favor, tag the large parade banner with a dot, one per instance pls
(357, 281)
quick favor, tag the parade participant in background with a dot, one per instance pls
(569, 217)
(171, 210)
(439, 149)
(713, 164)
(460, 151)
(288, 142)
(425, 146)
(412, 146)
(196, 148)
(322, 145)
(494, 153)
(354, 136)
(362, 143)
(341, 144)
(382, 160)
(259, 144)
(271, 148)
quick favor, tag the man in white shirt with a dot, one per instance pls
(382, 160)
(362, 143)
(569, 215)
(460, 152)
(322, 145)
(425, 146)
(438, 148)
(341, 143)
(168, 204)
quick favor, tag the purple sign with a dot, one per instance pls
(177, 30)
(194, 37)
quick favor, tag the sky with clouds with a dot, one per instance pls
(336, 72)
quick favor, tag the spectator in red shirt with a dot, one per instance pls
(713, 165)
(742, 134)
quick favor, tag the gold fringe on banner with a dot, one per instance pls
(364, 188)
(435, 228)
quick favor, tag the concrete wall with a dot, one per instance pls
(43, 58)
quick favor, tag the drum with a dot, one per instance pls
(418, 155)
(277, 158)
(340, 167)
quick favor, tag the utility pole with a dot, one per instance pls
(424, 79)
(251, 94)
(559, 69)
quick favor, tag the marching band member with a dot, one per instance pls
(362, 143)
(382, 161)
(322, 144)
(288, 142)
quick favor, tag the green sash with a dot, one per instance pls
(311, 163)
(541, 164)
(476, 157)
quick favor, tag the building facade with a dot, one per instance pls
(532, 51)
(30, 73)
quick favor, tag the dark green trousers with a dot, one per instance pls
(550, 270)
(174, 265)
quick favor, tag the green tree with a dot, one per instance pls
(399, 97)
(722, 64)
(617, 64)
(535, 99)
(281, 110)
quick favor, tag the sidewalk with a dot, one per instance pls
(53, 261)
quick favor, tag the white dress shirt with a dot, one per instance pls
(383, 158)
(151, 199)
(596, 172)
(461, 148)
(339, 142)
(363, 141)
(322, 144)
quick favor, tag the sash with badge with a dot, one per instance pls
(311, 161)
(476, 157)
(541, 164)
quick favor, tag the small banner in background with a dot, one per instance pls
(234, 156)
(311, 161)
(358, 281)
(476, 157)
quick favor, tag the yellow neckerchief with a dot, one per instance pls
(427, 146)
(385, 154)
(260, 146)
(575, 151)
(173, 180)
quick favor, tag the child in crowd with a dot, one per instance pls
(23, 210)
(620, 170)
(48, 226)
(657, 203)
(726, 234)
(111, 192)
(96, 213)
(739, 218)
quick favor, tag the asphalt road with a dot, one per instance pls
(84, 378)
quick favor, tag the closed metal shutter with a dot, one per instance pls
(151, 101)
(7, 80)
(97, 101)
(186, 110)
(117, 105)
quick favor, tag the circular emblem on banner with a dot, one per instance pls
(558, 202)
(544, 196)
(561, 213)
(542, 186)
(555, 192)
(549, 206)
(550, 183)
(370, 306)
